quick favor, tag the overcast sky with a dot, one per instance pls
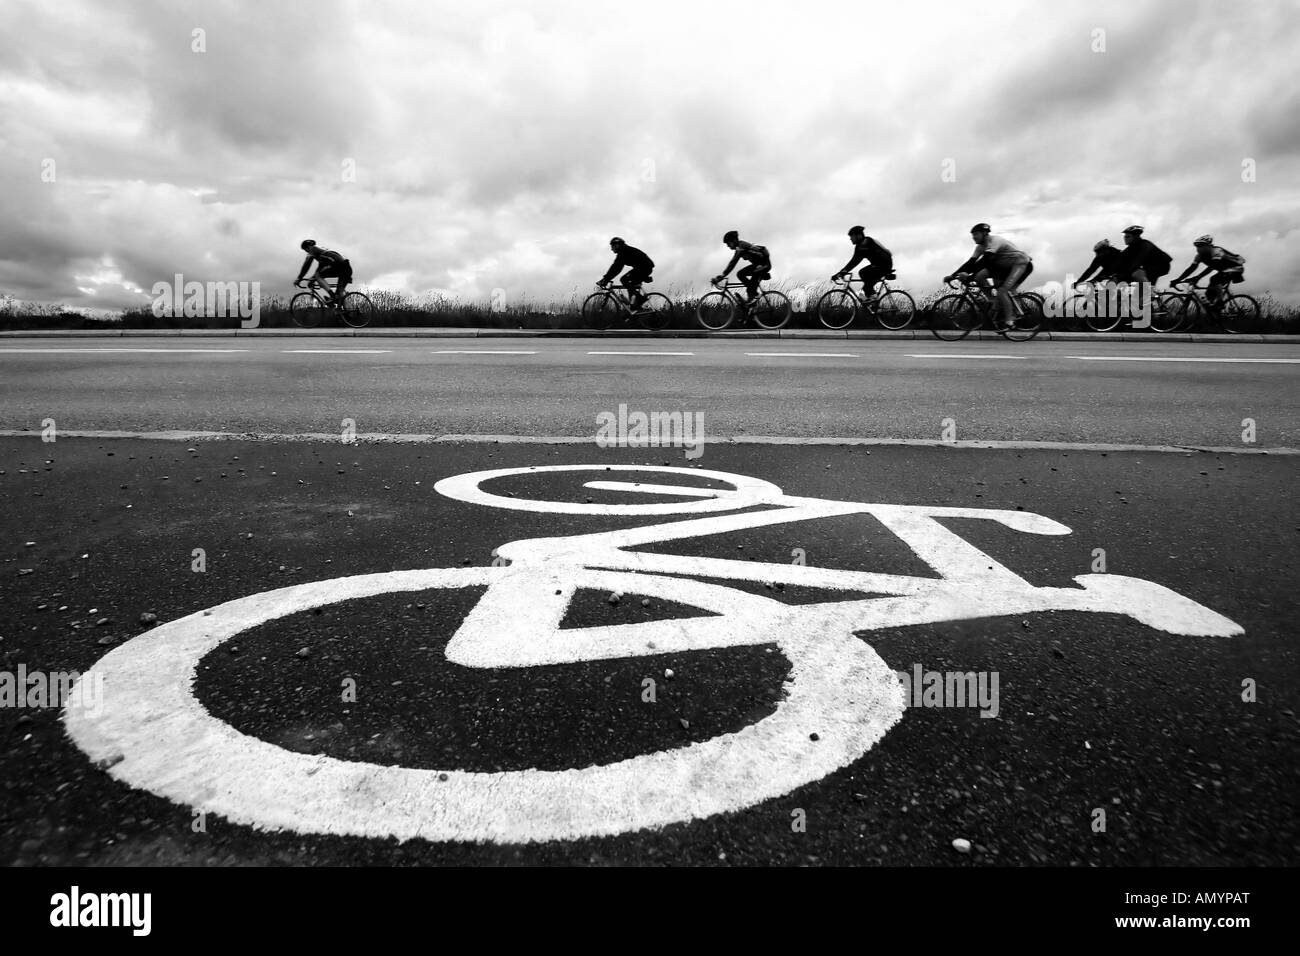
(500, 145)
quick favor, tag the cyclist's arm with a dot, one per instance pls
(613, 269)
(732, 264)
(858, 256)
(1186, 272)
(306, 264)
(1093, 266)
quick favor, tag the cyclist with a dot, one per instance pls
(759, 268)
(329, 265)
(880, 259)
(1142, 260)
(1105, 262)
(1227, 266)
(639, 267)
(998, 260)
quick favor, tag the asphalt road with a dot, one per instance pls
(408, 719)
(1039, 391)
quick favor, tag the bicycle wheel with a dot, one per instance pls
(1030, 320)
(836, 309)
(715, 311)
(657, 311)
(953, 317)
(1102, 315)
(771, 310)
(307, 310)
(1240, 314)
(1172, 311)
(357, 310)
(895, 310)
(600, 310)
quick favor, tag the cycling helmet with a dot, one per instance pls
(308, 242)
(1133, 230)
(731, 236)
(858, 230)
(1206, 240)
(616, 241)
(1104, 244)
(981, 227)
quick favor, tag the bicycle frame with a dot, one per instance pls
(316, 286)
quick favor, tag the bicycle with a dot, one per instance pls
(309, 308)
(1173, 311)
(1102, 304)
(894, 309)
(613, 303)
(150, 731)
(956, 316)
(715, 311)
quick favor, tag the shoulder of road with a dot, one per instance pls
(461, 333)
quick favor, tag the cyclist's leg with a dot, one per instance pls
(633, 279)
(325, 273)
(344, 280)
(1218, 289)
(749, 276)
(870, 276)
(1010, 282)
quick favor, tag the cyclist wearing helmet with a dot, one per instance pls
(639, 267)
(1142, 260)
(995, 258)
(759, 268)
(330, 265)
(881, 261)
(1105, 262)
(1226, 266)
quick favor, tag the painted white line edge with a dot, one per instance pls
(1019, 358)
(805, 354)
(480, 352)
(1189, 358)
(400, 438)
(119, 350)
(638, 352)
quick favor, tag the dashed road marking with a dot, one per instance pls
(805, 354)
(1018, 358)
(640, 353)
(1189, 358)
(481, 352)
(120, 350)
(335, 351)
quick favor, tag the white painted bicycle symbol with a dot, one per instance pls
(153, 734)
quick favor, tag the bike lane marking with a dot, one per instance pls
(153, 734)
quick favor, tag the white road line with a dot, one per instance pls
(401, 438)
(938, 355)
(1154, 358)
(122, 350)
(335, 351)
(640, 353)
(481, 352)
(805, 354)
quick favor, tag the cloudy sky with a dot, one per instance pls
(464, 147)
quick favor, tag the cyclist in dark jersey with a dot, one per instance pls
(329, 265)
(1142, 260)
(1105, 262)
(639, 266)
(759, 268)
(881, 261)
(1226, 266)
